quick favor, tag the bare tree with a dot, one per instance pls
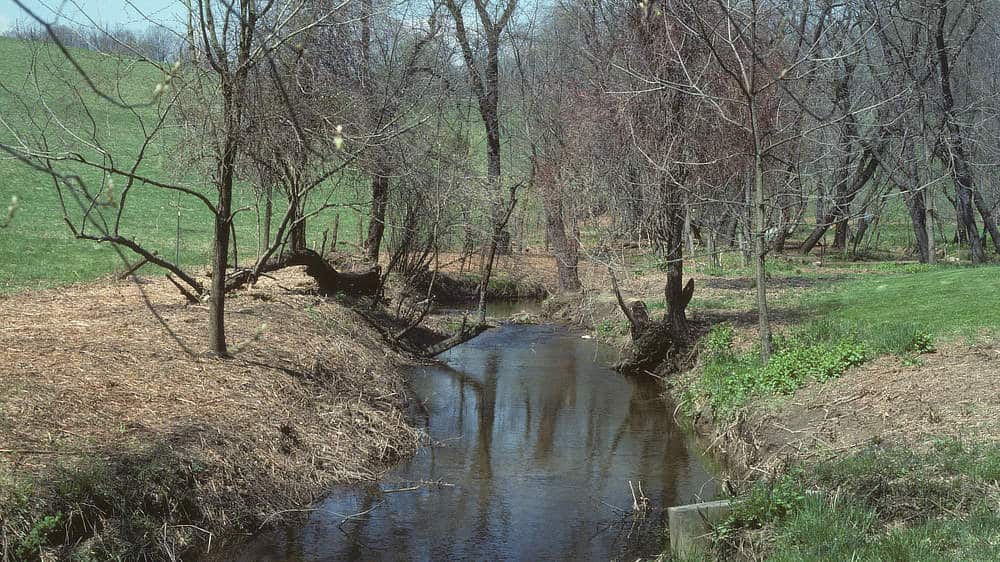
(232, 41)
(556, 131)
(484, 80)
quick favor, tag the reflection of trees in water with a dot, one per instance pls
(328, 532)
(557, 391)
(483, 464)
(577, 418)
(661, 444)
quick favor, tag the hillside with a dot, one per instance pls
(37, 250)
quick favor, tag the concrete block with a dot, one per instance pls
(691, 525)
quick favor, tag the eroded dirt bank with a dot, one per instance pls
(119, 438)
(887, 403)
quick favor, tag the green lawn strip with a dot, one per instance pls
(879, 504)
(945, 301)
(851, 321)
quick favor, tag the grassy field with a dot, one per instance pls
(945, 301)
(37, 250)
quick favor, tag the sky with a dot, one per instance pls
(104, 12)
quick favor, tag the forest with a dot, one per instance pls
(234, 231)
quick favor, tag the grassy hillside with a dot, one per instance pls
(37, 249)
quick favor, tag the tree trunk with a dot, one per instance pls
(688, 233)
(674, 292)
(866, 169)
(964, 182)
(297, 235)
(816, 235)
(565, 249)
(842, 230)
(231, 92)
(268, 218)
(712, 248)
(918, 218)
(763, 312)
(220, 254)
(489, 110)
(988, 222)
(328, 279)
(376, 226)
(931, 239)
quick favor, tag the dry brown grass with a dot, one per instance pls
(96, 373)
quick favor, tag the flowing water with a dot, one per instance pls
(536, 441)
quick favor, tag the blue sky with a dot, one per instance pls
(105, 12)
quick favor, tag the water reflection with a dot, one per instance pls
(536, 445)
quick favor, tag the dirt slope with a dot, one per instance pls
(953, 393)
(110, 413)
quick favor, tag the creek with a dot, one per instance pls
(535, 442)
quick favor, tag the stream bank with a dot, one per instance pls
(882, 397)
(119, 440)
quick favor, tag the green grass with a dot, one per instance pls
(944, 301)
(851, 321)
(37, 249)
(881, 504)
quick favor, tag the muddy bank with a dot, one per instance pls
(887, 403)
(120, 439)
(453, 288)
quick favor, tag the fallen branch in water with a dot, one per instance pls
(463, 335)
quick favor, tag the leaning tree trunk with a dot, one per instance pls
(329, 281)
(866, 169)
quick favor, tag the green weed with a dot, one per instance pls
(730, 378)
(608, 328)
(766, 503)
(39, 536)
(720, 339)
